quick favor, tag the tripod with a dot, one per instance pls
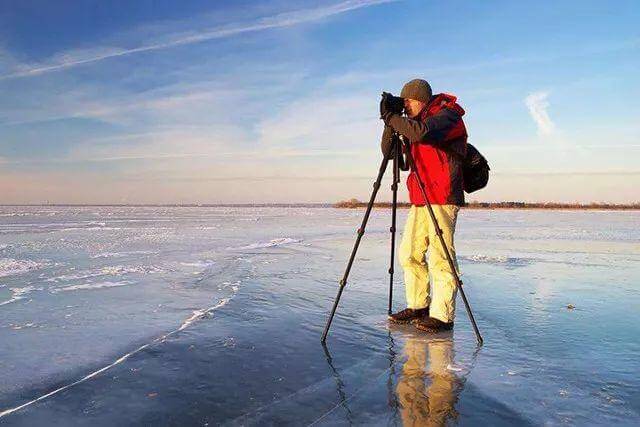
(395, 149)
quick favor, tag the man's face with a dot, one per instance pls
(413, 107)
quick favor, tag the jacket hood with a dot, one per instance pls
(445, 100)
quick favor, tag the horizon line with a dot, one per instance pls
(308, 204)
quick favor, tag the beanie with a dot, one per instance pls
(417, 89)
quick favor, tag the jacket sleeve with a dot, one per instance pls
(385, 143)
(416, 130)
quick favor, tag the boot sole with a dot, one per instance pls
(432, 330)
(403, 322)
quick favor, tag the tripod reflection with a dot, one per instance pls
(339, 386)
(423, 383)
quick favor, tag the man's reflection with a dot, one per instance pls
(427, 389)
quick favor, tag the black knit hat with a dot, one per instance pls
(417, 89)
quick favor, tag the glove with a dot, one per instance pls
(385, 114)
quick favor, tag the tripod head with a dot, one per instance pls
(393, 145)
(400, 146)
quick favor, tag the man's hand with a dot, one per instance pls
(385, 110)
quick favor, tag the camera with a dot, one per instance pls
(394, 104)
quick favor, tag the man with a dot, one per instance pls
(438, 139)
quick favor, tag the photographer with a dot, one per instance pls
(438, 139)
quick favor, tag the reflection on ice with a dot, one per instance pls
(427, 390)
(423, 382)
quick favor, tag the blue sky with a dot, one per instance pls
(276, 101)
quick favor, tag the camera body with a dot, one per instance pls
(393, 104)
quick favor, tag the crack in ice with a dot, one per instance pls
(197, 315)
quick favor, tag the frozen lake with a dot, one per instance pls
(206, 316)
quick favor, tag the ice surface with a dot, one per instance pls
(19, 293)
(189, 316)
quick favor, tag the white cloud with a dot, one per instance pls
(74, 58)
(537, 104)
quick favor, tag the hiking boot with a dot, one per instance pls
(429, 324)
(409, 315)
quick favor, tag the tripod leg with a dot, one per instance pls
(343, 282)
(394, 207)
(445, 248)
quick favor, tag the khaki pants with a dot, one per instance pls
(418, 237)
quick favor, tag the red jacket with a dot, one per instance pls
(438, 155)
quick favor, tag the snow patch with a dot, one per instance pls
(98, 285)
(273, 242)
(114, 270)
(502, 260)
(10, 266)
(121, 254)
(199, 264)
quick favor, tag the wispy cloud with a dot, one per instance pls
(537, 104)
(123, 110)
(334, 122)
(287, 19)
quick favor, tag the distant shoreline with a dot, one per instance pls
(353, 204)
